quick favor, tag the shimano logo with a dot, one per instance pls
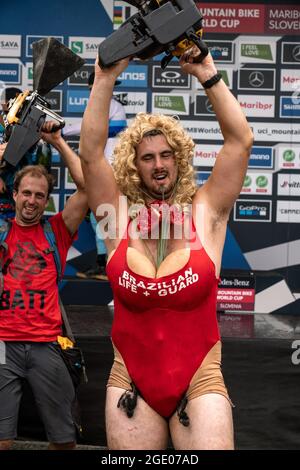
(9, 72)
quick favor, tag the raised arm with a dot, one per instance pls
(225, 183)
(76, 206)
(100, 182)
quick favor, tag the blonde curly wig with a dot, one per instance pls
(125, 170)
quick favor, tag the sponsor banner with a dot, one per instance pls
(221, 51)
(288, 211)
(263, 131)
(289, 80)
(74, 144)
(55, 155)
(288, 184)
(236, 325)
(227, 75)
(133, 102)
(80, 77)
(54, 98)
(135, 76)
(232, 17)
(252, 210)
(55, 172)
(201, 177)
(121, 13)
(236, 292)
(205, 130)
(28, 74)
(261, 157)
(290, 53)
(205, 155)
(172, 77)
(256, 79)
(256, 50)
(202, 106)
(257, 105)
(171, 103)
(33, 38)
(275, 132)
(282, 19)
(10, 45)
(69, 183)
(257, 183)
(77, 100)
(11, 71)
(86, 47)
(52, 207)
(290, 106)
(288, 157)
(71, 123)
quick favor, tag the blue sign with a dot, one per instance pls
(290, 106)
(261, 157)
(201, 177)
(31, 39)
(77, 101)
(135, 76)
(10, 73)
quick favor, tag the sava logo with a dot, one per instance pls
(9, 44)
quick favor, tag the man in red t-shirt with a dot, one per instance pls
(30, 317)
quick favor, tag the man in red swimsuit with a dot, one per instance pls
(166, 378)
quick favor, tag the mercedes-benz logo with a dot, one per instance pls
(256, 79)
(208, 106)
(296, 53)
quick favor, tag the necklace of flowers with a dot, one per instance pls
(159, 208)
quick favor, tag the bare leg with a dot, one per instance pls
(6, 445)
(146, 430)
(210, 428)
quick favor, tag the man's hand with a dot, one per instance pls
(47, 134)
(202, 70)
(111, 72)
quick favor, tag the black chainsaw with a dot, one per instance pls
(52, 63)
(169, 26)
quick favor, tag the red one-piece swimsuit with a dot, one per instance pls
(164, 327)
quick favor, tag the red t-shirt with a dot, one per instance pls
(29, 308)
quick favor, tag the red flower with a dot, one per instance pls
(149, 218)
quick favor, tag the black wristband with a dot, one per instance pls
(212, 81)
